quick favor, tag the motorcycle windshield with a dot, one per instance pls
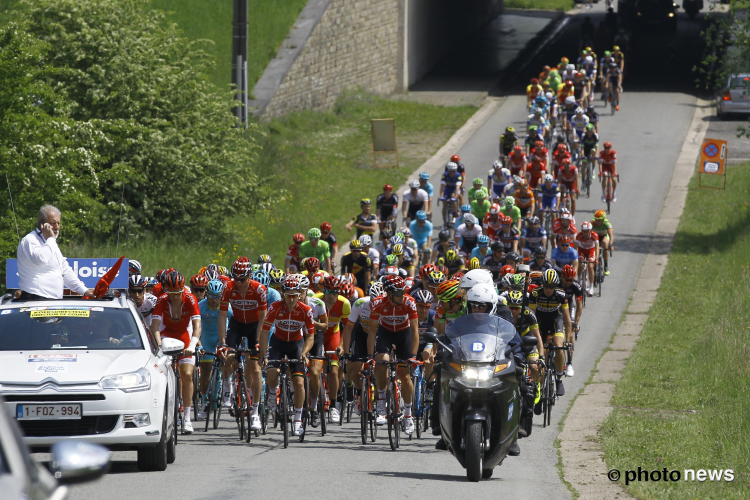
(479, 337)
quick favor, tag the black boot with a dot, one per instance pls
(440, 445)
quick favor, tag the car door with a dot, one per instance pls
(164, 364)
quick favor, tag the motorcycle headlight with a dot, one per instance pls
(478, 372)
(139, 380)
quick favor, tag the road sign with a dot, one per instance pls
(713, 160)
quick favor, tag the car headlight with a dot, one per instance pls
(671, 14)
(139, 380)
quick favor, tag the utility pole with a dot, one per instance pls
(239, 58)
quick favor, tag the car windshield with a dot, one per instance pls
(68, 327)
(739, 82)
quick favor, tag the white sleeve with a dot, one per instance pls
(70, 279)
(39, 254)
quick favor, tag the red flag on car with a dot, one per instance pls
(103, 284)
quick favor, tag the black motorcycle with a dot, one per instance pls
(480, 400)
(692, 7)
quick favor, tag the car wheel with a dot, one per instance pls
(172, 443)
(154, 458)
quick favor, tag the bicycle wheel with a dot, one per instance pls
(285, 410)
(392, 417)
(305, 411)
(364, 409)
(178, 408)
(419, 404)
(373, 415)
(210, 396)
(344, 405)
(322, 413)
(263, 410)
(241, 404)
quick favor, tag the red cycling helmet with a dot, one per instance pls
(241, 269)
(565, 240)
(312, 265)
(568, 272)
(199, 281)
(326, 226)
(535, 81)
(607, 145)
(505, 270)
(539, 144)
(330, 283)
(174, 280)
(518, 148)
(387, 187)
(456, 159)
(506, 220)
(562, 146)
(425, 270)
(298, 238)
(348, 291)
(566, 162)
(393, 283)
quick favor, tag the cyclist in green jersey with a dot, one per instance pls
(603, 228)
(511, 210)
(314, 247)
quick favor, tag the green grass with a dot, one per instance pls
(322, 162)
(269, 21)
(563, 5)
(684, 399)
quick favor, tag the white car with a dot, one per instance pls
(88, 370)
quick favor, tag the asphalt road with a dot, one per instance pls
(647, 134)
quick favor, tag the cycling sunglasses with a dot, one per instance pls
(136, 290)
(293, 296)
(331, 292)
(398, 294)
(241, 280)
(174, 292)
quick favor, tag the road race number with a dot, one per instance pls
(48, 412)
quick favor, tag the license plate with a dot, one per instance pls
(48, 412)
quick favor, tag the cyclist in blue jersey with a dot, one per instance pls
(482, 250)
(465, 209)
(532, 237)
(209, 308)
(497, 180)
(450, 185)
(421, 231)
(565, 254)
(272, 295)
(426, 185)
(550, 194)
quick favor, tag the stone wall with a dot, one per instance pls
(356, 43)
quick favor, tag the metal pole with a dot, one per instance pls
(239, 55)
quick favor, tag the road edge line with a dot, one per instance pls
(580, 447)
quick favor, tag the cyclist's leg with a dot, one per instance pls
(605, 250)
(315, 366)
(187, 364)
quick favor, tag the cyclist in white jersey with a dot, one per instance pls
(145, 302)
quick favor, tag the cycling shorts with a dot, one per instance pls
(608, 168)
(572, 185)
(358, 343)
(401, 340)
(237, 331)
(525, 210)
(278, 348)
(498, 189)
(587, 148)
(587, 254)
(550, 325)
(549, 202)
(534, 179)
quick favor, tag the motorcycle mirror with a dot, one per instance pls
(529, 341)
(508, 351)
(430, 334)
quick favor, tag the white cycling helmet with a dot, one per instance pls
(452, 166)
(475, 277)
(570, 67)
(483, 294)
(470, 219)
(547, 178)
(497, 164)
(579, 110)
(570, 100)
(366, 240)
(589, 59)
(549, 96)
(414, 184)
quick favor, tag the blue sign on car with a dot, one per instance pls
(88, 270)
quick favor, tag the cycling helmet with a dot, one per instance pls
(480, 193)
(385, 234)
(534, 81)
(366, 240)
(424, 175)
(483, 240)
(497, 164)
(211, 275)
(397, 250)
(540, 250)
(240, 269)
(134, 267)
(534, 220)
(152, 281)
(495, 208)
(137, 281)
(448, 290)
(566, 216)
(391, 259)
(276, 276)
(548, 178)
(497, 246)
(224, 271)
(174, 280)
(421, 215)
(535, 278)
(267, 267)
(515, 299)
(589, 127)
(261, 277)
(423, 297)
(518, 149)
(510, 130)
(458, 275)
(532, 129)
(470, 219)
(568, 272)
(292, 284)
(518, 280)
(565, 240)
(314, 233)
(355, 246)
(484, 295)
(474, 263)
(393, 284)
(199, 281)
(466, 208)
(330, 283)
(506, 270)
(304, 281)
(326, 226)
(160, 275)
(435, 278)
(348, 291)
(364, 201)
(550, 277)
(506, 280)
(414, 184)
(607, 145)
(579, 110)
(426, 269)
(347, 278)
(506, 220)
(536, 111)
(215, 288)
(298, 238)
(585, 226)
(474, 277)
(509, 200)
(397, 240)
(390, 271)
(444, 235)
(513, 256)
(312, 264)
(263, 258)
(570, 100)
(456, 159)
(451, 166)
(405, 232)
(549, 96)
(388, 187)
(376, 290)
(451, 255)
(600, 215)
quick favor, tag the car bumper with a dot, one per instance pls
(103, 422)
(733, 106)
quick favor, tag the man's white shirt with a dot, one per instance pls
(42, 269)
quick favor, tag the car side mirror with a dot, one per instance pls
(172, 347)
(76, 461)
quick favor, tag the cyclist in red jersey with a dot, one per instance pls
(492, 221)
(248, 299)
(293, 338)
(608, 163)
(587, 244)
(563, 226)
(568, 177)
(558, 155)
(517, 161)
(394, 322)
(536, 171)
(176, 315)
(540, 152)
(292, 263)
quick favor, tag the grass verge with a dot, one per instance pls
(684, 397)
(321, 161)
(269, 21)
(563, 5)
